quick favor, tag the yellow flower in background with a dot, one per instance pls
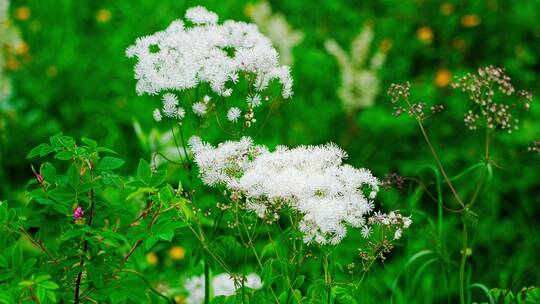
(152, 258)
(177, 252)
(103, 15)
(443, 78)
(52, 71)
(13, 64)
(458, 43)
(470, 20)
(386, 44)
(179, 300)
(447, 8)
(425, 34)
(249, 9)
(21, 48)
(22, 13)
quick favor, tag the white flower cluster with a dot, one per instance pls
(392, 220)
(182, 57)
(360, 84)
(276, 28)
(222, 285)
(311, 180)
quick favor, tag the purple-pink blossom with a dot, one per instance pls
(78, 213)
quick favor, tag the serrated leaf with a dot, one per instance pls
(110, 163)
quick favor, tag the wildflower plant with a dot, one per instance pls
(277, 209)
(360, 84)
(205, 62)
(198, 66)
(276, 27)
(495, 105)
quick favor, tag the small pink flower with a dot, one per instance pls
(39, 178)
(78, 213)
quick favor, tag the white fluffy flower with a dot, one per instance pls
(222, 285)
(366, 231)
(222, 165)
(180, 113)
(254, 101)
(157, 115)
(181, 57)
(170, 100)
(200, 15)
(199, 108)
(233, 114)
(309, 179)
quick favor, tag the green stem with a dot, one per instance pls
(138, 274)
(462, 266)
(206, 282)
(439, 163)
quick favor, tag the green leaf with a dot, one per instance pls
(144, 173)
(90, 142)
(299, 281)
(140, 191)
(16, 257)
(62, 194)
(42, 294)
(64, 155)
(158, 178)
(110, 163)
(94, 275)
(61, 141)
(106, 150)
(48, 172)
(73, 176)
(150, 242)
(71, 234)
(3, 262)
(49, 285)
(28, 267)
(42, 278)
(41, 150)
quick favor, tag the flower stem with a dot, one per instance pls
(462, 266)
(439, 163)
(206, 281)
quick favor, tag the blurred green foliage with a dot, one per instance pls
(76, 79)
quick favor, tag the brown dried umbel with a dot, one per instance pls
(392, 180)
(535, 146)
(488, 111)
(398, 92)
